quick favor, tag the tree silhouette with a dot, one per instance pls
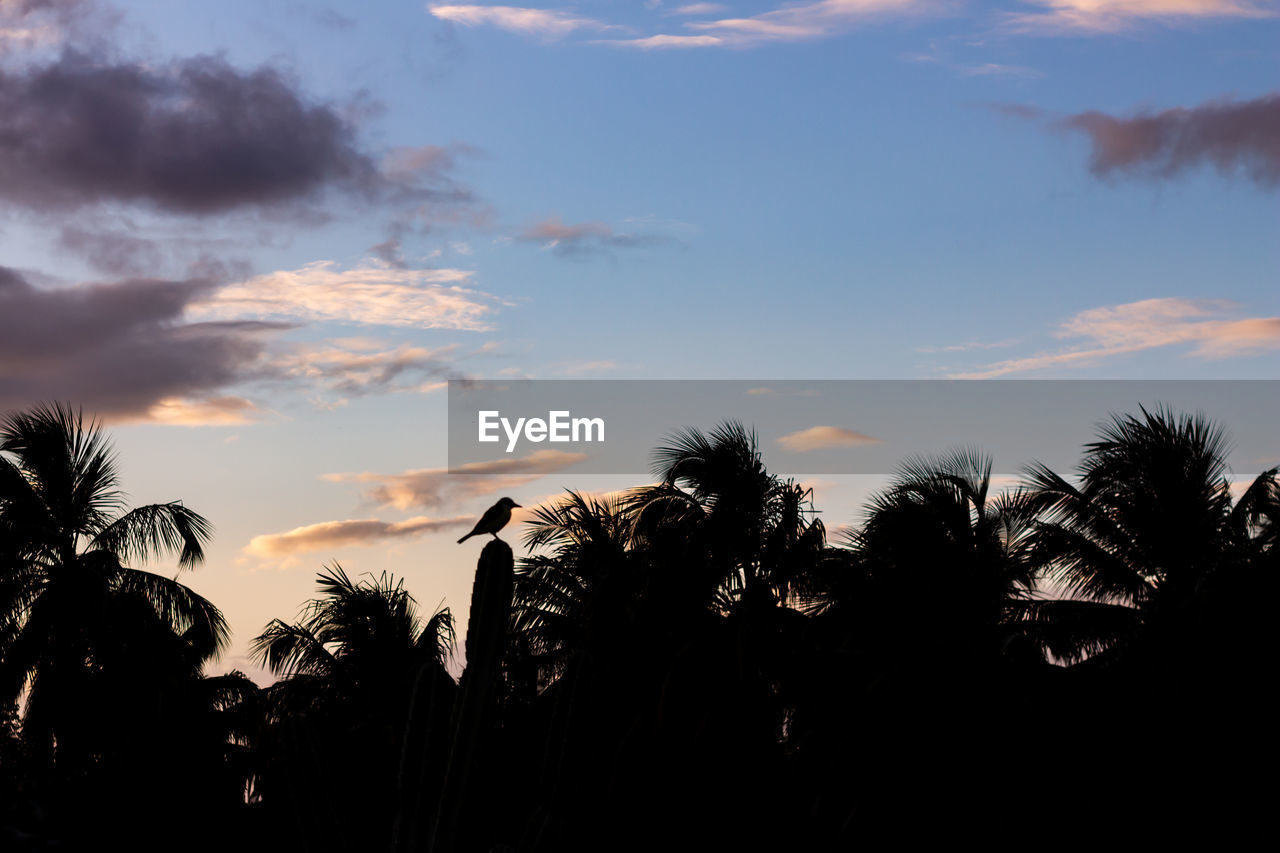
(689, 663)
(73, 615)
(352, 669)
(1146, 538)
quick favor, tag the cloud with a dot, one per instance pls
(995, 69)
(698, 9)
(970, 345)
(27, 25)
(193, 136)
(579, 368)
(328, 535)
(1116, 330)
(823, 438)
(170, 351)
(358, 367)
(546, 24)
(330, 18)
(375, 295)
(586, 238)
(1232, 135)
(432, 487)
(1086, 17)
(215, 411)
(665, 42)
(807, 21)
(120, 348)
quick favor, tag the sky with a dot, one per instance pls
(257, 238)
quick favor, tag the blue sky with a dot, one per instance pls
(878, 188)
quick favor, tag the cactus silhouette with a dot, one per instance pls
(477, 695)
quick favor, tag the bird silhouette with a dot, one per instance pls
(494, 519)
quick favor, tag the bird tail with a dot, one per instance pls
(465, 538)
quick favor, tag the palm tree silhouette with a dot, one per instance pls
(1147, 538)
(355, 669)
(74, 616)
(944, 553)
(356, 636)
(754, 535)
(574, 598)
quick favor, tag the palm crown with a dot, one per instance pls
(70, 602)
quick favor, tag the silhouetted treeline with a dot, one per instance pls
(686, 665)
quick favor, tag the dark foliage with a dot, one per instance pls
(688, 665)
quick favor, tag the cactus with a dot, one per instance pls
(472, 712)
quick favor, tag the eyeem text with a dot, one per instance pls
(558, 426)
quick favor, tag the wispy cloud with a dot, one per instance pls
(358, 366)
(581, 368)
(824, 438)
(374, 295)
(970, 345)
(666, 42)
(803, 22)
(585, 238)
(329, 535)
(546, 24)
(698, 9)
(1086, 17)
(433, 487)
(996, 69)
(1110, 331)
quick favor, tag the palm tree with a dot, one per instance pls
(941, 567)
(354, 640)
(76, 619)
(746, 533)
(574, 598)
(361, 673)
(735, 546)
(1147, 545)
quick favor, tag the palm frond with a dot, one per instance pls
(291, 650)
(181, 609)
(143, 533)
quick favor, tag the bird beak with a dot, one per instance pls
(514, 504)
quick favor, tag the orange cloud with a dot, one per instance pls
(215, 411)
(432, 487)
(823, 438)
(328, 535)
(1115, 330)
(376, 295)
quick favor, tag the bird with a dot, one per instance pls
(494, 519)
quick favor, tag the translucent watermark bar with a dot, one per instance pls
(803, 427)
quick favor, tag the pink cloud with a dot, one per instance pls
(542, 23)
(1229, 134)
(1116, 330)
(1085, 17)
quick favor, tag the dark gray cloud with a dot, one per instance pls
(121, 248)
(118, 348)
(27, 24)
(195, 136)
(112, 250)
(1232, 135)
(328, 17)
